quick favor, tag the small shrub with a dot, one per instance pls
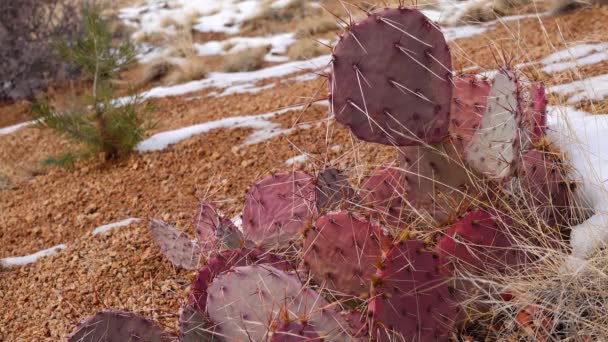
(248, 60)
(190, 70)
(100, 125)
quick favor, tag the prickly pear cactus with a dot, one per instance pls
(294, 331)
(411, 300)
(244, 302)
(383, 194)
(478, 244)
(494, 148)
(224, 262)
(177, 247)
(391, 79)
(468, 106)
(341, 252)
(536, 113)
(213, 230)
(278, 207)
(193, 327)
(437, 182)
(332, 190)
(116, 325)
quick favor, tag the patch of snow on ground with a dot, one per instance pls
(584, 138)
(592, 88)
(278, 45)
(110, 226)
(300, 159)
(575, 56)
(211, 16)
(225, 80)
(263, 129)
(15, 128)
(32, 258)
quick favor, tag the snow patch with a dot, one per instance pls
(110, 226)
(32, 258)
(15, 128)
(592, 88)
(584, 137)
(575, 56)
(225, 80)
(264, 129)
(300, 159)
(278, 45)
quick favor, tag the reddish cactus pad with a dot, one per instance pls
(478, 244)
(116, 325)
(213, 230)
(176, 246)
(341, 252)
(245, 302)
(224, 262)
(278, 207)
(383, 193)
(535, 115)
(468, 105)
(391, 79)
(295, 332)
(412, 301)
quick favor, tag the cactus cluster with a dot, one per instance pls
(317, 260)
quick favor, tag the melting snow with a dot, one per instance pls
(278, 43)
(296, 160)
(592, 88)
(264, 129)
(15, 128)
(224, 80)
(29, 259)
(584, 138)
(108, 227)
(574, 56)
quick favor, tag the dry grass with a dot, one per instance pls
(190, 70)
(315, 25)
(306, 49)
(155, 71)
(248, 60)
(270, 20)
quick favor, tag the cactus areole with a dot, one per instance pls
(391, 79)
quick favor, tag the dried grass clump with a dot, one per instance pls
(248, 60)
(191, 70)
(315, 25)
(167, 72)
(269, 19)
(306, 49)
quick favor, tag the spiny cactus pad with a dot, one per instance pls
(535, 115)
(332, 190)
(224, 262)
(437, 181)
(468, 105)
(478, 244)
(391, 79)
(494, 148)
(177, 247)
(411, 302)
(193, 327)
(383, 193)
(212, 229)
(116, 325)
(341, 252)
(294, 331)
(278, 207)
(245, 301)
